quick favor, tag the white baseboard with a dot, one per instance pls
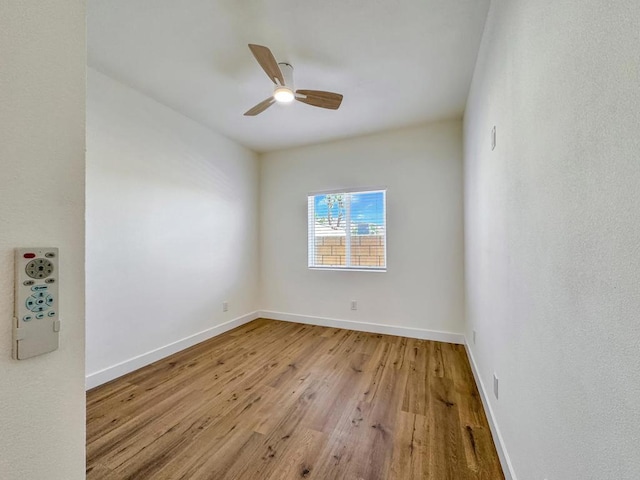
(103, 376)
(423, 334)
(505, 461)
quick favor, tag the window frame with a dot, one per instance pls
(311, 229)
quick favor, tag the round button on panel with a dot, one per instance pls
(51, 314)
(26, 283)
(40, 301)
(39, 316)
(50, 280)
(39, 268)
(27, 318)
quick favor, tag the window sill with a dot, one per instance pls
(339, 269)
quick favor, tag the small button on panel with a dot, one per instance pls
(40, 316)
(38, 288)
(27, 318)
(51, 313)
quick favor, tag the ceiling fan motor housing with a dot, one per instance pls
(287, 73)
(284, 93)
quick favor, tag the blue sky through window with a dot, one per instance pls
(366, 207)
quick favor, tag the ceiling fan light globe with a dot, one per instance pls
(283, 95)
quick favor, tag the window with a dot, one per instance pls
(347, 230)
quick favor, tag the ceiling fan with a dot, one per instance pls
(281, 74)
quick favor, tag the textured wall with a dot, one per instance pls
(422, 170)
(172, 226)
(42, 102)
(553, 233)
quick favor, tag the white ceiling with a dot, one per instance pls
(397, 62)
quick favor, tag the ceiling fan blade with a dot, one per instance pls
(261, 107)
(318, 98)
(268, 63)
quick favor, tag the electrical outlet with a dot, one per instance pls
(354, 305)
(225, 306)
(495, 384)
(474, 337)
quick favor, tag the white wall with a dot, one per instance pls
(552, 233)
(42, 102)
(171, 229)
(422, 169)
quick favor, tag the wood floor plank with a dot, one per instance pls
(277, 401)
(447, 455)
(100, 472)
(302, 456)
(415, 396)
(410, 457)
(341, 379)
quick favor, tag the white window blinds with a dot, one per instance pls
(347, 230)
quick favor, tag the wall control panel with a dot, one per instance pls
(36, 322)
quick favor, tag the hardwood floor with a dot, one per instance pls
(275, 401)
